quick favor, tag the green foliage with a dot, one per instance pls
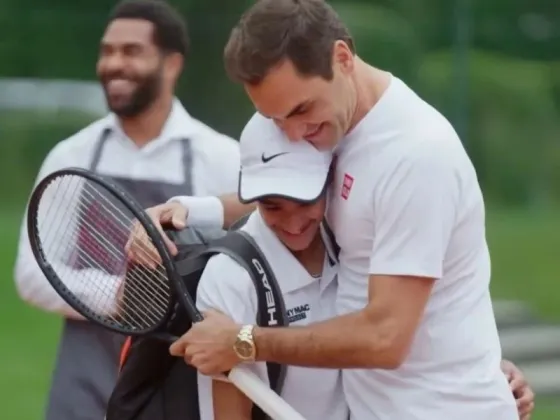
(513, 130)
(384, 37)
(27, 137)
(513, 124)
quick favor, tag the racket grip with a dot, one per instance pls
(261, 394)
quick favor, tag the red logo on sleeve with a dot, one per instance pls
(346, 186)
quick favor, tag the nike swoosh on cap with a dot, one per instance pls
(266, 159)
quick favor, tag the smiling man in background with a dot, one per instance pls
(153, 148)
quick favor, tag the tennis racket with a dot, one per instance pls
(78, 225)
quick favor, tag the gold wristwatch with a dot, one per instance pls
(244, 346)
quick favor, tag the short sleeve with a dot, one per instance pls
(227, 174)
(414, 215)
(227, 287)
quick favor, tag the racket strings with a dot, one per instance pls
(94, 258)
(102, 244)
(96, 255)
(83, 235)
(96, 236)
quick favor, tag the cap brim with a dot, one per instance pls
(279, 184)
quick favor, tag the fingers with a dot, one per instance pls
(526, 411)
(525, 398)
(517, 383)
(179, 219)
(526, 403)
(177, 349)
(204, 365)
(172, 248)
(139, 247)
(181, 348)
(174, 214)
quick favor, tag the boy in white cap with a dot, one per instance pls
(287, 181)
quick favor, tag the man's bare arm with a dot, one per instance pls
(230, 403)
(234, 209)
(379, 336)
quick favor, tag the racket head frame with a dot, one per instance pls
(139, 214)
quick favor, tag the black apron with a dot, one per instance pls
(88, 356)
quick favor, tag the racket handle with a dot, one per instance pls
(261, 394)
(254, 388)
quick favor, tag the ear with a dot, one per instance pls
(173, 66)
(343, 57)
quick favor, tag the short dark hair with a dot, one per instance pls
(170, 28)
(271, 31)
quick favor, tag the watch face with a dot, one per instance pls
(244, 349)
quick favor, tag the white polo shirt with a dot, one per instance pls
(215, 171)
(226, 286)
(406, 201)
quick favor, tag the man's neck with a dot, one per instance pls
(313, 257)
(148, 125)
(370, 84)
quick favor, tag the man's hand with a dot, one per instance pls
(139, 247)
(208, 345)
(522, 392)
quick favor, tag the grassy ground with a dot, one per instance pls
(524, 251)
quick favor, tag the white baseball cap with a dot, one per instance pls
(274, 166)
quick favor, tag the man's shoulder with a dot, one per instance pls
(95, 128)
(76, 147)
(211, 137)
(422, 138)
(212, 146)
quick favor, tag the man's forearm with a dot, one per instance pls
(233, 209)
(345, 342)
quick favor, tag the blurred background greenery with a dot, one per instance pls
(492, 67)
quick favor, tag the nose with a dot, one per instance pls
(112, 62)
(295, 224)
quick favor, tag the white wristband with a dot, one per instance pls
(202, 211)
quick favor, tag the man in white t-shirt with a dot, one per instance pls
(407, 211)
(287, 228)
(452, 366)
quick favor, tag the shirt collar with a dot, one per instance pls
(291, 275)
(179, 125)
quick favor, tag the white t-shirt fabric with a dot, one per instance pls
(215, 171)
(405, 200)
(226, 286)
